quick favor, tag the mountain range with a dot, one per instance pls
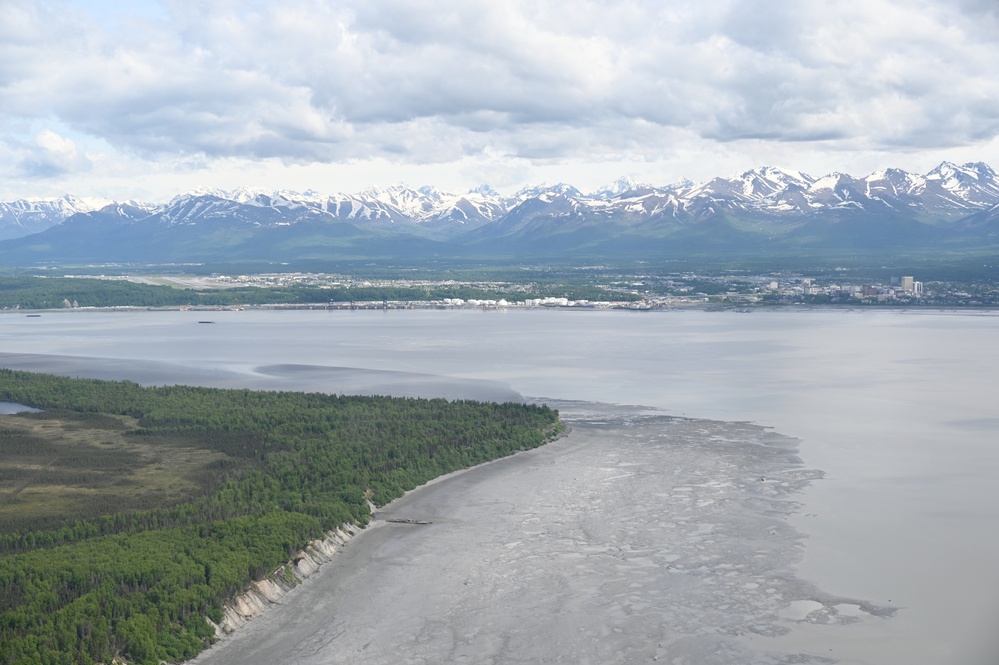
(766, 211)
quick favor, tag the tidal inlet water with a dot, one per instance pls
(770, 487)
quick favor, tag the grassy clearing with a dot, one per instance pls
(63, 465)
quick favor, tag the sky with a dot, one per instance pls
(145, 99)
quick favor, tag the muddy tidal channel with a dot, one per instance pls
(638, 538)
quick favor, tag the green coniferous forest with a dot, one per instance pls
(129, 514)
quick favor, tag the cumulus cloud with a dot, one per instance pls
(416, 81)
(52, 155)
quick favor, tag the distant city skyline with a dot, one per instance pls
(147, 99)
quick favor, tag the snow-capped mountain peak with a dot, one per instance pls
(949, 192)
(560, 189)
(966, 171)
(831, 181)
(972, 182)
(768, 180)
(27, 216)
(893, 183)
(619, 187)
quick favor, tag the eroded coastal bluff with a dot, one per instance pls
(261, 594)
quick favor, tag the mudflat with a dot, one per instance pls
(637, 538)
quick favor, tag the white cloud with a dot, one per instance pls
(50, 156)
(672, 87)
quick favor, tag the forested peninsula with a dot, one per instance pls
(130, 515)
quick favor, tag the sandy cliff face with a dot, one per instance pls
(263, 593)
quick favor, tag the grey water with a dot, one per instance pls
(892, 414)
(12, 407)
